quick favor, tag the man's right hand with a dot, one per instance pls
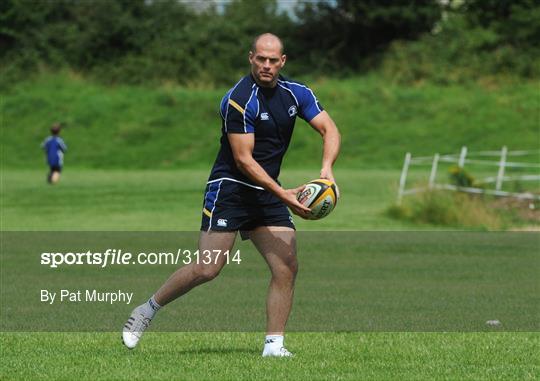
(242, 148)
(289, 198)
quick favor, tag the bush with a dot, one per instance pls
(460, 177)
(138, 41)
(450, 209)
(458, 52)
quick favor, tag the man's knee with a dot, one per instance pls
(287, 269)
(206, 273)
(293, 265)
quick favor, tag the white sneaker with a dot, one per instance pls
(134, 328)
(282, 352)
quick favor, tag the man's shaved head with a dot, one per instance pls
(266, 40)
(267, 59)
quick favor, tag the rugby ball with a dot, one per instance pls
(320, 196)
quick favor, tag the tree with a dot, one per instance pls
(517, 22)
(345, 32)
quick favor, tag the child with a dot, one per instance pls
(54, 148)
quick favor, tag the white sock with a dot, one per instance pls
(273, 343)
(150, 308)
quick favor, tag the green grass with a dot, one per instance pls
(367, 275)
(235, 356)
(172, 127)
(349, 281)
(111, 129)
(170, 200)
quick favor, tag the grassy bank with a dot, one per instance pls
(139, 127)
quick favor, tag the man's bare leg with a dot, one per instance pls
(180, 282)
(194, 274)
(277, 245)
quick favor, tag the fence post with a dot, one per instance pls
(502, 164)
(433, 173)
(403, 177)
(462, 157)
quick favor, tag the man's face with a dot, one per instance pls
(266, 62)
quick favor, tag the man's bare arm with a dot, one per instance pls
(242, 148)
(325, 126)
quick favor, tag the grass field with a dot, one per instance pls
(226, 356)
(138, 160)
(169, 200)
(482, 274)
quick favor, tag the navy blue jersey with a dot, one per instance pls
(270, 114)
(54, 148)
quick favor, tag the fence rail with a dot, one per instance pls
(461, 160)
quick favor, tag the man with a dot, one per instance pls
(243, 194)
(54, 148)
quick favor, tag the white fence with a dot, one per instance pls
(462, 159)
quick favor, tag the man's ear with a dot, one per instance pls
(283, 60)
(250, 56)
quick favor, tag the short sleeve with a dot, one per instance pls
(309, 106)
(240, 115)
(62, 145)
(46, 142)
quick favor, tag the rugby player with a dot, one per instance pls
(243, 193)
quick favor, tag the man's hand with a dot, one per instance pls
(326, 173)
(289, 198)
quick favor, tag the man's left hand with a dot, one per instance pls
(326, 173)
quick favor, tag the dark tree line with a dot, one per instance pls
(142, 41)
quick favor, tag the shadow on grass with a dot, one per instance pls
(221, 351)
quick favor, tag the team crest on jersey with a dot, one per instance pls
(292, 111)
(264, 116)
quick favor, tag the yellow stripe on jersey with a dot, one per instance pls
(207, 212)
(236, 106)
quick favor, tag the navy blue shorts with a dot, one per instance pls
(232, 206)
